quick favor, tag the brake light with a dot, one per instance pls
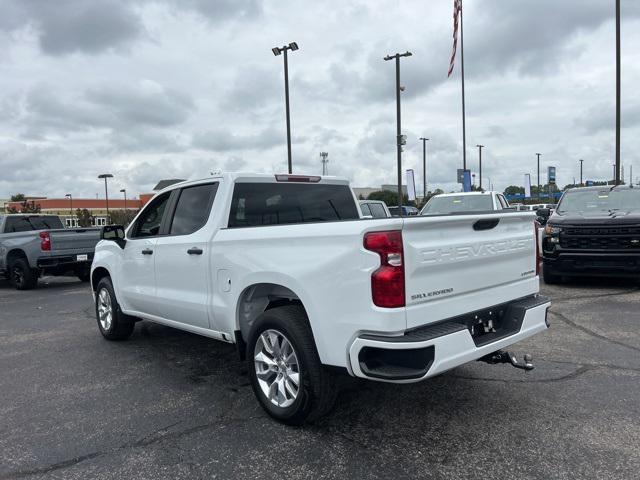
(45, 241)
(297, 178)
(387, 282)
(536, 227)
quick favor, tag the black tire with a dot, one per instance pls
(316, 392)
(120, 326)
(21, 275)
(549, 277)
(84, 276)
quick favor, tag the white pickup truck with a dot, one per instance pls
(285, 267)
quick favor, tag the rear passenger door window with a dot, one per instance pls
(17, 224)
(365, 209)
(192, 208)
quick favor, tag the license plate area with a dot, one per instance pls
(82, 258)
(494, 323)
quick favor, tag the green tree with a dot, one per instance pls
(514, 190)
(85, 219)
(388, 197)
(122, 217)
(25, 207)
(18, 197)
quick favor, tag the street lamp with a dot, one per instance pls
(68, 195)
(424, 167)
(400, 139)
(124, 191)
(538, 154)
(293, 46)
(106, 192)
(480, 147)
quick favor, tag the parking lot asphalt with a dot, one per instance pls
(168, 404)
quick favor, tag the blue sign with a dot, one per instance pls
(589, 183)
(551, 174)
(466, 183)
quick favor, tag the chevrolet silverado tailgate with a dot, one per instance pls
(460, 263)
(71, 241)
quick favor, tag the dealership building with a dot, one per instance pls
(66, 208)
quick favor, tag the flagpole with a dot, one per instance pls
(464, 130)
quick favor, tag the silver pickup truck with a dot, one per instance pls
(32, 245)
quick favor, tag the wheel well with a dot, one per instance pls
(97, 275)
(259, 298)
(13, 254)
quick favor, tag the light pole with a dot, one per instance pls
(124, 191)
(293, 46)
(323, 157)
(581, 160)
(616, 176)
(538, 154)
(424, 167)
(106, 192)
(68, 195)
(399, 138)
(480, 147)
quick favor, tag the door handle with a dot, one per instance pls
(194, 251)
(147, 251)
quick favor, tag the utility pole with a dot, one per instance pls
(464, 129)
(617, 166)
(400, 140)
(424, 167)
(293, 46)
(480, 147)
(538, 154)
(581, 160)
(323, 159)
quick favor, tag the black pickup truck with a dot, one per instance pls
(595, 231)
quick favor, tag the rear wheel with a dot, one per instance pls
(285, 370)
(549, 277)
(22, 276)
(113, 324)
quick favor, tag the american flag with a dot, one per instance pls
(457, 8)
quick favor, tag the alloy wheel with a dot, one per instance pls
(277, 368)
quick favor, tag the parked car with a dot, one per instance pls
(407, 211)
(466, 202)
(32, 245)
(595, 231)
(374, 209)
(283, 267)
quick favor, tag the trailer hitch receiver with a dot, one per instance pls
(507, 357)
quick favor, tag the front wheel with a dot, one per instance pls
(113, 324)
(285, 370)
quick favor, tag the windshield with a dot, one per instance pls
(457, 203)
(598, 201)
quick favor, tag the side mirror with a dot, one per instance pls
(113, 233)
(543, 212)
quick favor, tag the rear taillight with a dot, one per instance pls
(45, 241)
(536, 227)
(387, 282)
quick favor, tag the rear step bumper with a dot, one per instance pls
(432, 349)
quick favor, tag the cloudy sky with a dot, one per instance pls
(151, 89)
